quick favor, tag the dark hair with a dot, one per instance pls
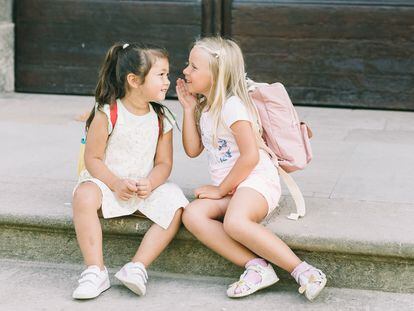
(118, 63)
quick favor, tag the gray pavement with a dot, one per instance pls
(361, 155)
(45, 286)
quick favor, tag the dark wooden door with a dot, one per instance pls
(347, 53)
(61, 43)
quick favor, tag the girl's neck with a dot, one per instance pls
(135, 104)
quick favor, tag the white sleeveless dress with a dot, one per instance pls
(130, 153)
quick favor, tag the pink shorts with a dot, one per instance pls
(268, 187)
(264, 179)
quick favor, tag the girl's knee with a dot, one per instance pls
(192, 215)
(189, 215)
(233, 226)
(86, 198)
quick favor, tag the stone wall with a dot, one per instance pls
(6, 46)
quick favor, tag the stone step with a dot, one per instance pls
(364, 252)
(45, 286)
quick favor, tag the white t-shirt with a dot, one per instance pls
(224, 155)
(226, 152)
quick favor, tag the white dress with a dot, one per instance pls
(130, 153)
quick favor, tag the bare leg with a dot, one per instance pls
(202, 218)
(156, 240)
(87, 201)
(246, 209)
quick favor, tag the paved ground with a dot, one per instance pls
(40, 286)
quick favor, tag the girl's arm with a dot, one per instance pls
(191, 137)
(249, 157)
(162, 166)
(94, 155)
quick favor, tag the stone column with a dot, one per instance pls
(6, 46)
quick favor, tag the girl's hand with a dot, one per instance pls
(144, 188)
(187, 100)
(125, 189)
(209, 192)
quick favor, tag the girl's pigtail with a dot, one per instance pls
(109, 87)
(159, 110)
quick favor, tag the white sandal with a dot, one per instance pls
(311, 285)
(268, 278)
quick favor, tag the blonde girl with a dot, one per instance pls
(220, 117)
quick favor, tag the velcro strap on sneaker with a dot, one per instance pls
(141, 272)
(88, 277)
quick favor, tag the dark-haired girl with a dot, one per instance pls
(128, 158)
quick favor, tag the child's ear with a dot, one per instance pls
(133, 80)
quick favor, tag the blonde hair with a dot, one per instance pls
(228, 79)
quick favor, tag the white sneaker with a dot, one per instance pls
(268, 278)
(92, 283)
(134, 276)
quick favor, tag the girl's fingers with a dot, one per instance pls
(128, 195)
(180, 93)
(185, 89)
(129, 192)
(205, 195)
(182, 86)
(199, 193)
(131, 187)
(184, 96)
(123, 197)
(143, 195)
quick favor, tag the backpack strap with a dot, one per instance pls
(290, 184)
(288, 180)
(168, 115)
(295, 193)
(171, 115)
(113, 113)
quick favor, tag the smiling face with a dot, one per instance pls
(156, 82)
(197, 73)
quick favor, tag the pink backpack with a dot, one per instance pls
(286, 137)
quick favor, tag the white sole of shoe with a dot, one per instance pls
(255, 289)
(316, 294)
(136, 288)
(105, 286)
